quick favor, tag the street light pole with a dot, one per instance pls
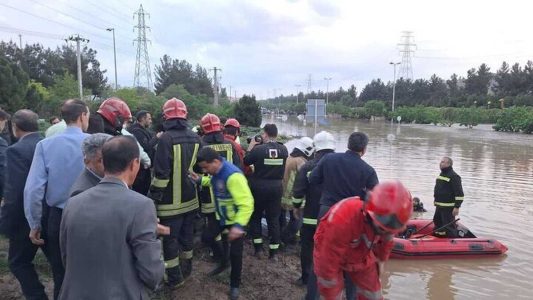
(297, 91)
(393, 87)
(327, 79)
(115, 56)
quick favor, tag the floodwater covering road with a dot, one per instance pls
(497, 173)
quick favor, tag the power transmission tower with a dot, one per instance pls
(215, 85)
(143, 74)
(78, 39)
(407, 49)
(309, 83)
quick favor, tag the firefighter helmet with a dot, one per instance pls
(115, 111)
(174, 109)
(210, 123)
(305, 145)
(233, 123)
(390, 206)
(324, 140)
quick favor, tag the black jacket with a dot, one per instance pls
(3, 148)
(448, 190)
(268, 160)
(19, 157)
(172, 190)
(343, 175)
(146, 138)
(312, 193)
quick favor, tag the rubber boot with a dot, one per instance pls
(273, 254)
(175, 277)
(223, 262)
(234, 293)
(186, 267)
(259, 251)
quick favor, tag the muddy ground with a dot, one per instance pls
(261, 279)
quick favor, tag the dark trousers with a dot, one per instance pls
(443, 216)
(312, 288)
(142, 182)
(20, 259)
(267, 198)
(289, 229)
(53, 249)
(180, 238)
(232, 249)
(307, 233)
(211, 222)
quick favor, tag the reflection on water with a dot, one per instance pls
(497, 172)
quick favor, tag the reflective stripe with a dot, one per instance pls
(218, 238)
(459, 198)
(326, 283)
(227, 148)
(273, 246)
(186, 255)
(445, 204)
(258, 241)
(160, 183)
(297, 200)
(369, 294)
(447, 179)
(309, 221)
(308, 174)
(273, 162)
(172, 263)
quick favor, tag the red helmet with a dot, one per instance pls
(210, 123)
(115, 111)
(233, 123)
(390, 206)
(174, 109)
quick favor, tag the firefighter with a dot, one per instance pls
(268, 157)
(324, 143)
(355, 237)
(234, 206)
(449, 196)
(232, 131)
(213, 137)
(173, 192)
(303, 151)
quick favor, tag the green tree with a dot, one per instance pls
(248, 112)
(376, 89)
(13, 86)
(375, 108)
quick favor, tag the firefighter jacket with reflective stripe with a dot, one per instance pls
(346, 241)
(268, 160)
(448, 189)
(240, 152)
(233, 198)
(292, 165)
(172, 190)
(225, 149)
(302, 189)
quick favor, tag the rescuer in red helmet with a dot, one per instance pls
(173, 192)
(355, 238)
(232, 131)
(114, 112)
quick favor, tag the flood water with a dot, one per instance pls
(497, 173)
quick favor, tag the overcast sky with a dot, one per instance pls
(265, 45)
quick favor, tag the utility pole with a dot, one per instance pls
(297, 91)
(408, 48)
(230, 93)
(309, 82)
(215, 85)
(393, 87)
(327, 79)
(78, 39)
(20, 41)
(115, 56)
(142, 62)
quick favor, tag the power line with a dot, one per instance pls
(67, 15)
(31, 33)
(110, 11)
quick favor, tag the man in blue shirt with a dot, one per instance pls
(57, 163)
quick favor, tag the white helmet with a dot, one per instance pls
(305, 145)
(324, 140)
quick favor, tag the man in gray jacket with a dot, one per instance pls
(108, 233)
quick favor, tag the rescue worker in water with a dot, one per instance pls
(355, 237)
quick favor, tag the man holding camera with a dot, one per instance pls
(268, 157)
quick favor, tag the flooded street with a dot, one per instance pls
(497, 173)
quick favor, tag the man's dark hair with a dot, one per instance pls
(141, 114)
(118, 152)
(72, 109)
(271, 130)
(208, 155)
(96, 124)
(357, 141)
(52, 119)
(26, 120)
(231, 130)
(4, 115)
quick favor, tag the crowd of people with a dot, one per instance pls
(113, 205)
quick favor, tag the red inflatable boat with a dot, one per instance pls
(417, 242)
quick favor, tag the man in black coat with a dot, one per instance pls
(148, 142)
(13, 223)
